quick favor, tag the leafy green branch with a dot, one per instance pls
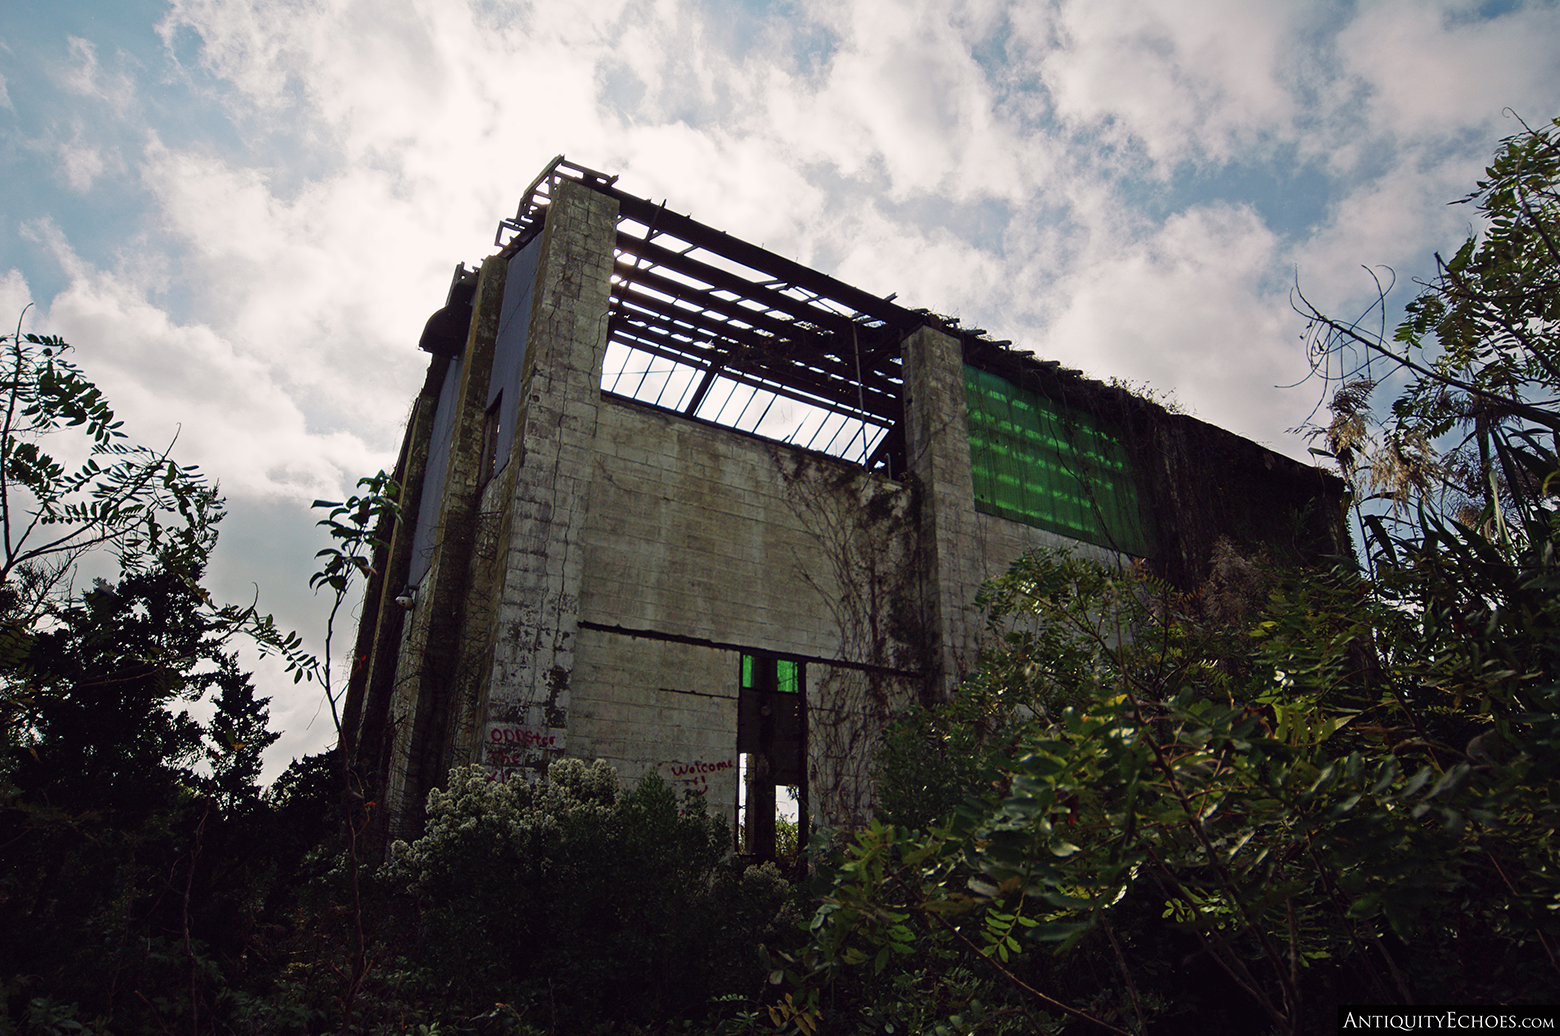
(354, 526)
(123, 498)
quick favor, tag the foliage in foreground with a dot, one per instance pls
(1305, 820)
(147, 886)
(1304, 787)
(584, 902)
(143, 874)
(1148, 812)
(136, 856)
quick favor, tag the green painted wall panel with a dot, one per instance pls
(1044, 465)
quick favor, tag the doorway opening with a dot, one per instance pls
(772, 755)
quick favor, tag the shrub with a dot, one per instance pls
(583, 903)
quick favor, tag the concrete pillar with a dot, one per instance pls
(527, 708)
(425, 678)
(937, 440)
(365, 734)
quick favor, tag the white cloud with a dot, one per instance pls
(440, 114)
(1398, 220)
(326, 290)
(985, 158)
(228, 411)
(15, 296)
(903, 102)
(1183, 83)
(86, 77)
(1191, 310)
(1436, 70)
(80, 164)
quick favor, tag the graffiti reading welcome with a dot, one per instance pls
(695, 776)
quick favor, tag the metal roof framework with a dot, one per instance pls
(717, 329)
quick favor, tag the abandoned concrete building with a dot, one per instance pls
(676, 502)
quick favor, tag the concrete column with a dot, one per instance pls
(937, 440)
(425, 679)
(378, 649)
(527, 709)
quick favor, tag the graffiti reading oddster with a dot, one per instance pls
(518, 747)
(521, 736)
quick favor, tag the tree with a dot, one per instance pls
(585, 904)
(133, 828)
(128, 500)
(125, 498)
(131, 501)
(1312, 803)
(1475, 426)
(126, 820)
(1332, 785)
(108, 674)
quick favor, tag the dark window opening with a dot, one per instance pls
(772, 746)
(489, 465)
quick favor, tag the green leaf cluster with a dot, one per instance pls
(1345, 806)
(139, 857)
(357, 527)
(594, 904)
(136, 848)
(1336, 786)
(123, 497)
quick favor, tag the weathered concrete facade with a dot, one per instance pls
(588, 573)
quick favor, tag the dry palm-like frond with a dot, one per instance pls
(1347, 435)
(1470, 516)
(1353, 397)
(1401, 467)
(1406, 467)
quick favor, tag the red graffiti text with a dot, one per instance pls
(521, 736)
(694, 777)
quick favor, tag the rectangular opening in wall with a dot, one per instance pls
(1050, 466)
(696, 331)
(715, 328)
(772, 749)
(742, 404)
(491, 432)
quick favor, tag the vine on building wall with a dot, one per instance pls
(859, 522)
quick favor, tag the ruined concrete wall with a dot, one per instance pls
(649, 705)
(865, 576)
(690, 531)
(1203, 483)
(644, 553)
(527, 698)
(704, 534)
(594, 596)
(607, 517)
(998, 542)
(959, 547)
(485, 603)
(367, 733)
(420, 705)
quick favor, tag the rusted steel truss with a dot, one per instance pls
(743, 319)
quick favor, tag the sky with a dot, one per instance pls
(241, 212)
